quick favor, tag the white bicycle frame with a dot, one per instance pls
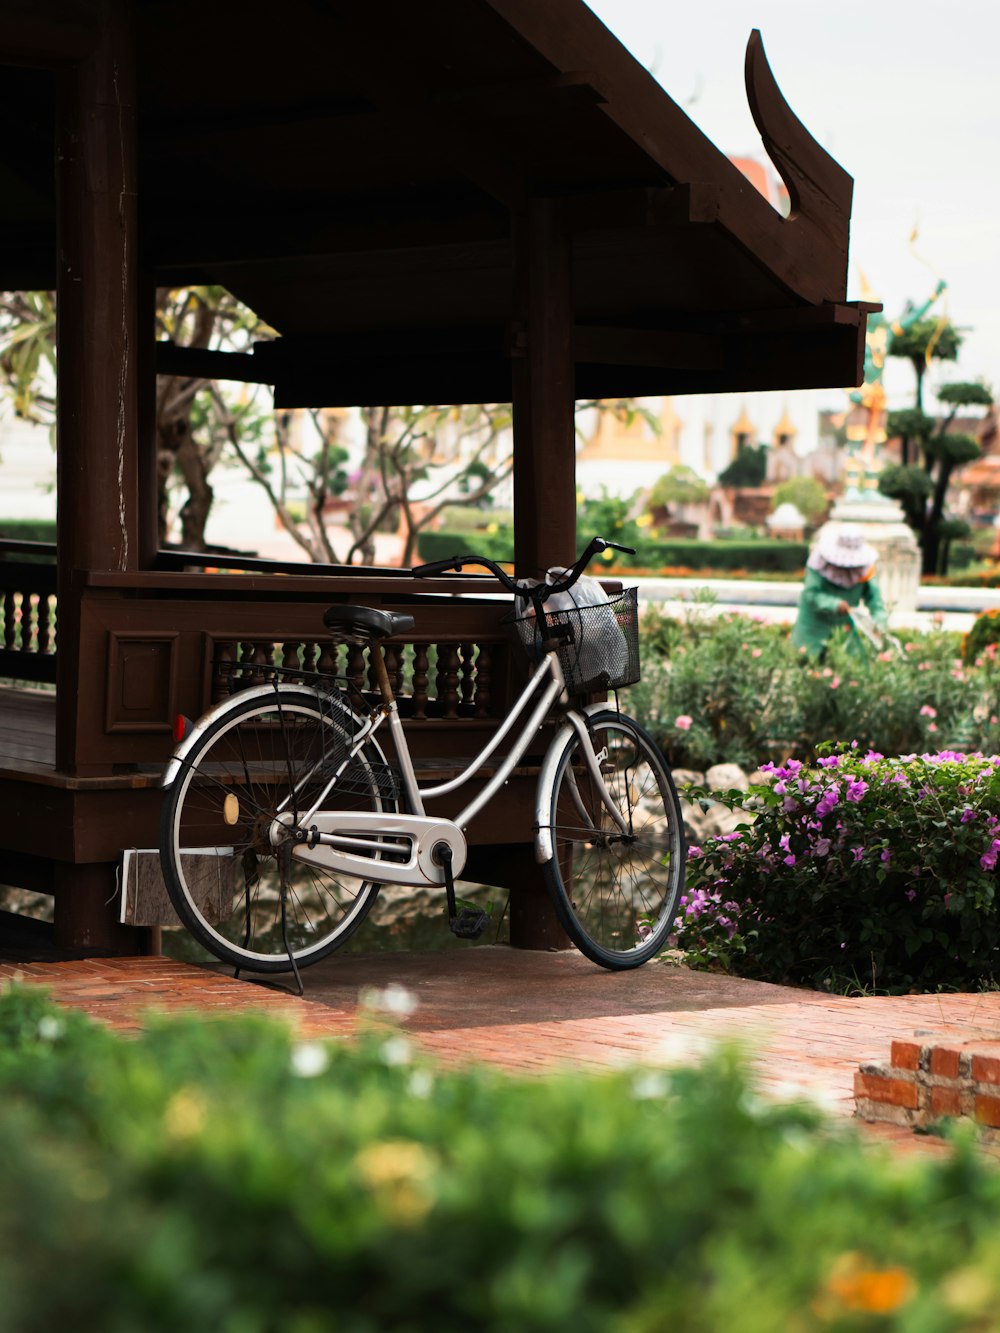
(404, 848)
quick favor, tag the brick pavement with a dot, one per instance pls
(800, 1045)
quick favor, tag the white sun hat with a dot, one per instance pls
(845, 547)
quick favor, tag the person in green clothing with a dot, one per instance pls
(840, 575)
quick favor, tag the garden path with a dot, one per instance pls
(532, 1011)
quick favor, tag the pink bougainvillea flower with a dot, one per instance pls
(933, 727)
(835, 683)
(683, 723)
(928, 711)
(756, 652)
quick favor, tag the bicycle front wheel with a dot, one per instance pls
(615, 885)
(247, 902)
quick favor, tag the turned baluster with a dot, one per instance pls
(44, 624)
(9, 620)
(356, 666)
(468, 676)
(447, 678)
(392, 666)
(290, 659)
(222, 671)
(420, 680)
(327, 662)
(484, 672)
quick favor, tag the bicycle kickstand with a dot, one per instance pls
(469, 922)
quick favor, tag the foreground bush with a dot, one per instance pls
(863, 873)
(220, 1176)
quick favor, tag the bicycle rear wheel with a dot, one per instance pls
(616, 891)
(245, 902)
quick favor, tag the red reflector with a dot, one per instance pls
(182, 726)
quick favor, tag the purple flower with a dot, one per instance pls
(693, 854)
(789, 804)
(821, 847)
(886, 856)
(968, 815)
(911, 894)
(829, 799)
(856, 790)
(829, 761)
(780, 788)
(858, 854)
(789, 859)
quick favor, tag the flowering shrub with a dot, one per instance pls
(861, 872)
(751, 697)
(983, 637)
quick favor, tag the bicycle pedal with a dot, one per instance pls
(469, 923)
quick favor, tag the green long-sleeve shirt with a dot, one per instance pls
(819, 613)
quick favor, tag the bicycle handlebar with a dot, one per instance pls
(457, 562)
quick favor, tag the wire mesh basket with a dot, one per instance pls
(602, 651)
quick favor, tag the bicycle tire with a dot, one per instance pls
(615, 895)
(215, 820)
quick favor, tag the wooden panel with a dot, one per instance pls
(142, 681)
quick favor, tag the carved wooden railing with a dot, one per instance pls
(27, 612)
(447, 679)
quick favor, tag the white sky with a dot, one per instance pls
(906, 96)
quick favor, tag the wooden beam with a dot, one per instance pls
(199, 363)
(680, 350)
(57, 32)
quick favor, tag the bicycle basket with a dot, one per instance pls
(603, 653)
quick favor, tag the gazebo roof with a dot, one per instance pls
(356, 174)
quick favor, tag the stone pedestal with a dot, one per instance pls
(882, 522)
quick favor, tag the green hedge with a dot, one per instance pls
(219, 1175)
(441, 545)
(763, 555)
(28, 529)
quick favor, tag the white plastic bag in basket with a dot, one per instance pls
(599, 645)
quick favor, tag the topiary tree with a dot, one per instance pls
(921, 486)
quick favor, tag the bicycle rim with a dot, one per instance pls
(616, 892)
(225, 879)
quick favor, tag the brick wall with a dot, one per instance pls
(931, 1078)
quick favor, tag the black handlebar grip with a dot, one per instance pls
(436, 567)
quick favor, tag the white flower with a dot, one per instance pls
(309, 1058)
(396, 1051)
(392, 999)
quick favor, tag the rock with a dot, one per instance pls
(726, 777)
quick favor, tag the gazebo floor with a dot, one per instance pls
(528, 1012)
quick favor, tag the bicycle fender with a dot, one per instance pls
(176, 762)
(544, 850)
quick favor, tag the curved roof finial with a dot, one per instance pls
(818, 186)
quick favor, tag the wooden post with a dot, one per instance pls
(97, 529)
(543, 391)
(544, 467)
(96, 336)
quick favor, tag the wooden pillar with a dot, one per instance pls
(97, 496)
(544, 392)
(95, 334)
(544, 470)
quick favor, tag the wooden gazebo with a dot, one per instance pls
(464, 201)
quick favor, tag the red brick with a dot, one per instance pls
(881, 1088)
(944, 1062)
(906, 1055)
(946, 1101)
(988, 1111)
(985, 1068)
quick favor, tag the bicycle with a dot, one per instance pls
(282, 818)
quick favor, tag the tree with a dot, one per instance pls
(748, 468)
(415, 459)
(922, 487)
(681, 485)
(924, 341)
(807, 494)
